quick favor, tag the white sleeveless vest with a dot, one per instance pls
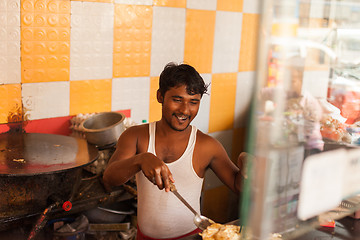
(160, 213)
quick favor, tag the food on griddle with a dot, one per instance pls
(20, 160)
(217, 231)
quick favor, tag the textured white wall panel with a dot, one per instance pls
(227, 42)
(10, 42)
(244, 89)
(134, 94)
(168, 37)
(251, 6)
(45, 100)
(91, 43)
(201, 121)
(201, 4)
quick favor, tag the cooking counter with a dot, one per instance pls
(345, 229)
(90, 195)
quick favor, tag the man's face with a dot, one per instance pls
(179, 108)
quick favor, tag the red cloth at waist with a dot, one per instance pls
(141, 236)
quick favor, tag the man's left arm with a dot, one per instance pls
(231, 174)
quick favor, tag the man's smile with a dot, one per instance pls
(182, 118)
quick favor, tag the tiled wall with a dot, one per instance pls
(60, 58)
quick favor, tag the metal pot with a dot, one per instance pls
(103, 128)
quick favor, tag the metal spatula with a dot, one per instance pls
(200, 221)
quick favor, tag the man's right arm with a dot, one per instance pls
(124, 163)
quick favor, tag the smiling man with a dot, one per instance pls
(171, 151)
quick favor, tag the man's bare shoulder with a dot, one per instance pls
(207, 149)
(136, 131)
(206, 140)
(139, 128)
(134, 136)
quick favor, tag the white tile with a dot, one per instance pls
(252, 6)
(2, 4)
(244, 92)
(76, 19)
(134, 94)
(13, 5)
(168, 37)
(13, 48)
(135, 2)
(3, 33)
(10, 67)
(201, 4)
(201, 121)
(46, 100)
(91, 40)
(3, 46)
(3, 18)
(13, 19)
(13, 33)
(227, 42)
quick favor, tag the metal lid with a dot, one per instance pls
(37, 153)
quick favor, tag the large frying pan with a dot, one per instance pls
(37, 169)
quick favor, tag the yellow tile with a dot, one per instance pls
(10, 104)
(230, 5)
(249, 41)
(155, 106)
(90, 96)
(170, 3)
(222, 102)
(132, 40)
(45, 39)
(199, 39)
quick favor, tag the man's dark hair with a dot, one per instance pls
(175, 75)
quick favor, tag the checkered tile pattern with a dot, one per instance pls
(61, 58)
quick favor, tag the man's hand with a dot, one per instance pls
(243, 163)
(156, 171)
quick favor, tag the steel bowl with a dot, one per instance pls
(114, 212)
(103, 128)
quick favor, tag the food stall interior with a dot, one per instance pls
(303, 131)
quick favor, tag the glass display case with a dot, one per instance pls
(304, 131)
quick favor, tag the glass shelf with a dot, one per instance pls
(306, 102)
